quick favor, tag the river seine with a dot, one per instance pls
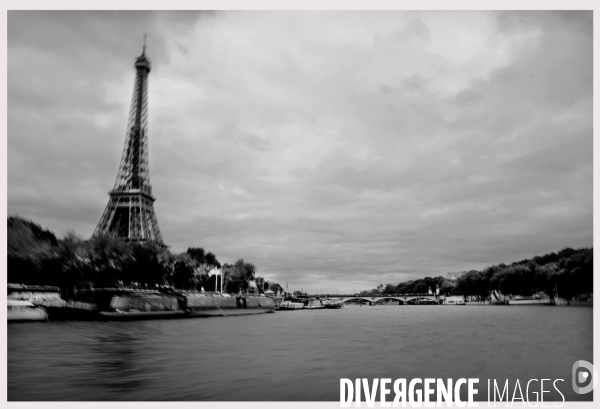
(297, 355)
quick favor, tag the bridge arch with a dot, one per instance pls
(401, 300)
(421, 298)
(368, 299)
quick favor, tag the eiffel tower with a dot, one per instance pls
(129, 214)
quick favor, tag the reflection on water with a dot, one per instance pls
(296, 355)
(113, 361)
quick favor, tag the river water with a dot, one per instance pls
(296, 355)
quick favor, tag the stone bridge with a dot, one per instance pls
(372, 299)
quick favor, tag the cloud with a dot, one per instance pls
(333, 150)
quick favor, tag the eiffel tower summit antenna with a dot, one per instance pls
(129, 214)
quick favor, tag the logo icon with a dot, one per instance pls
(584, 373)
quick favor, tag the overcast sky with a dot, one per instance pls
(333, 150)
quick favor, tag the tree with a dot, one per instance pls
(110, 259)
(237, 277)
(75, 264)
(405, 288)
(473, 283)
(146, 268)
(212, 261)
(31, 252)
(420, 288)
(183, 272)
(448, 287)
(389, 289)
(276, 288)
(197, 254)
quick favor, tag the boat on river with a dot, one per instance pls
(426, 302)
(49, 298)
(32, 293)
(454, 300)
(138, 305)
(313, 304)
(19, 310)
(290, 306)
(151, 304)
(331, 304)
(536, 299)
(206, 305)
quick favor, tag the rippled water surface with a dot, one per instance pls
(294, 355)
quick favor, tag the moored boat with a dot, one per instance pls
(149, 305)
(313, 304)
(330, 304)
(454, 300)
(427, 302)
(561, 301)
(68, 310)
(49, 298)
(530, 300)
(32, 293)
(19, 310)
(290, 306)
(184, 304)
(209, 304)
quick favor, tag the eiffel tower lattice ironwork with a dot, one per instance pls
(129, 214)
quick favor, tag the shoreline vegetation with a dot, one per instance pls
(567, 274)
(36, 256)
